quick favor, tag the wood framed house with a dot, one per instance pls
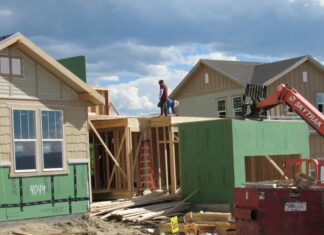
(214, 88)
(44, 141)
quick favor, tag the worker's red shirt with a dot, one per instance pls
(164, 95)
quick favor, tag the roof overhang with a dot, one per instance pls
(20, 42)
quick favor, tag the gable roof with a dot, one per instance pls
(17, 40)
(237, 70)
(250, 72)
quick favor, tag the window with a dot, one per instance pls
(206, 78)
(33, 150)
(16, 66)
(289, 110)
(320, 102)
(237, 106)
(52, 139)
(305, 76)
(24, 125)
(221, 108)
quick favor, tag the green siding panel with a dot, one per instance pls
(43, 196)
(213, 153)
(76, 65)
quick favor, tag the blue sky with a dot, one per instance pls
(131, 44)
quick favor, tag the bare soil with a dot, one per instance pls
(81, 225)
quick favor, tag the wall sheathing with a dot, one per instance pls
(213, 153)
(42, 196)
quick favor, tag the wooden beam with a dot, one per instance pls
(114, 108)
(158, 157)
(274, 164)
(129, 157)
(106, 148)
(117, 157)
(173, 172)
(110, 123)
(137, 152)
(166, 161)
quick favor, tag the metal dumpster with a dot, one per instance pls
(276, 211)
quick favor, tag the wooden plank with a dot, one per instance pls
(137, 152)
(129, 157)
(106, 148)
(114, 108)
(96, 164)
(173, 172)
(117, 157)
(274, 164)
(109, 123)
(158, 157)
(166, 161)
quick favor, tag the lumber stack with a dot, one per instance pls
(153, 207)
(208, 222)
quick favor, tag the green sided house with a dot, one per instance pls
(44, 147)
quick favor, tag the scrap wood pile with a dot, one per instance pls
(154, 207)
(300, 181)
(207, 222)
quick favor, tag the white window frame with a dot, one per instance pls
(317, 101)
(62, 140)
(221, 111)
(236, 109)
(24, 140)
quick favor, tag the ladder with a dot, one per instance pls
(146, 168)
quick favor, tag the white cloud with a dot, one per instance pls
(5, 12)
(113, 78)
(321, 2)
(140, 96)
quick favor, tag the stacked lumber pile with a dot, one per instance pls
(149, 208)
(207, 222)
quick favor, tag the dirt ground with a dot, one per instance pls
(83, 224)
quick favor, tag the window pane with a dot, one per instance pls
(221, 105)
(45, 124)
(4, 65)
(16, 66)
(58, 125)
(24, 124)
(237, 102)
(52, 125)
(320, 98)
(25, 155)
(53, 154)
(222, 114)
(321, 107)
(17, 126)
(238, 113)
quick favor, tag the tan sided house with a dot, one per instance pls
(214, 88)
(44, 143)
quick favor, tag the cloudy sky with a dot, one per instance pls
(131, 44)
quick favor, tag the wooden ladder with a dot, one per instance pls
(146, 168)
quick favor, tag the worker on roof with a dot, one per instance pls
(172, 104)
(163, 98)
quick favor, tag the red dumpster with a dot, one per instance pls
(276, 211)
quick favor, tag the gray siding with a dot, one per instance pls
(206, 105)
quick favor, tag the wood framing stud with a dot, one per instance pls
(106, 148)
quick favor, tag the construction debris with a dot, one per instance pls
(152, 208)
(208, 222)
